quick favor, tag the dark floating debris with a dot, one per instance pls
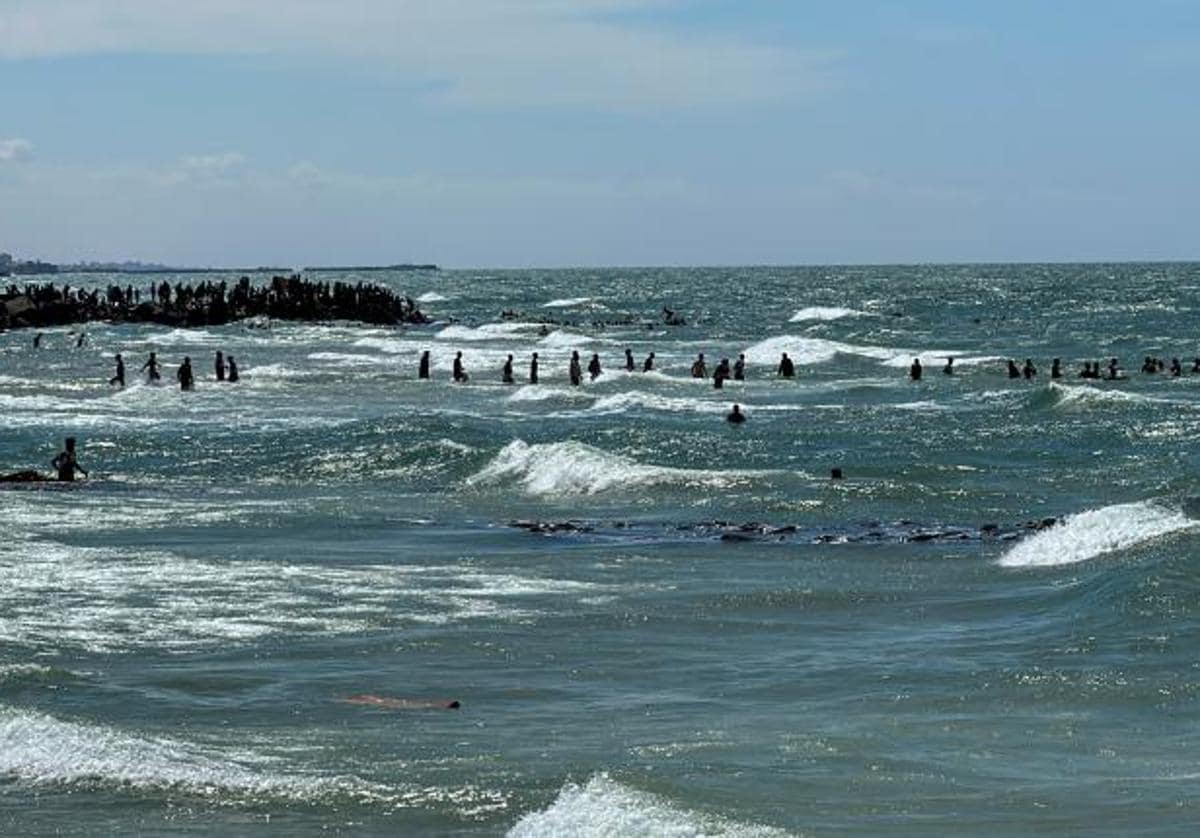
(871, 532)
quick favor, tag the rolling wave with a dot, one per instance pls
(573, 468)
(605, 807)
(1097, 532)
(824, 313)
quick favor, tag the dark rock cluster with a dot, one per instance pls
(207, 303)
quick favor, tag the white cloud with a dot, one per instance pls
(477, 53)
(15, 149)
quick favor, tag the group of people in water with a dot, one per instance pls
(1090, 370)
(224, 368)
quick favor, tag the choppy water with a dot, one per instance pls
(178, 636)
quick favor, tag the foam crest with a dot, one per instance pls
(488, 331)
(1084, 396)
(41, 749)
(432, 297)
(604, 807)
(573, 468)
(824, 313)
(562, 339)
(639, 400)
(567, 302)
(807, 350)
(1095, 533)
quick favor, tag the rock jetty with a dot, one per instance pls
(207, 303)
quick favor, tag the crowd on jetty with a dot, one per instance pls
(206, 303)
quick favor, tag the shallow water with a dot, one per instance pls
(696, 631)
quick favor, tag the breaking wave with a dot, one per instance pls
(805, 350)
(605, 807)
(824, 313)
(567, 302)
(573, 468)
(432, 297)
(1097, 532)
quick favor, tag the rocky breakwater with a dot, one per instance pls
(205, 303)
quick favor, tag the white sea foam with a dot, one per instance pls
(349, 359)
(807, 350)
(488, 331)
(573, 468)
(1083, 396)
(569, 302)
(637, 399)
(562, 339)
(1095, 533)
(542, 393)
(44, 750)
(825, 313)
(604, 807)
(432, 297)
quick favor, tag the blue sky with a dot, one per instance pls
(598, 132)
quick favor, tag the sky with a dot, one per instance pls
(513, 133)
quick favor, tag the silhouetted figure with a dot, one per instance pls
(506, 374)
(594, 367)
(1114, 371)
(65, 465)
(460, 374)
(836, 474)
(739, 368)
(232, 377)
(914, 371)
(949, 368)
(786, 368)
(1149, 366)
(1029, 370)
(151, 368)
(629, 365)
(1196, 365)
(736, 416)
(119, 378)
(423, 366)
(219, 365)
(574, 370)
(721, 373)
(533, 369)
(187, 381)
(37, 340)
(648, 364)
(1176, 368)
(1013, 370)
(1056, 368)
(699, 368)
(79, 340)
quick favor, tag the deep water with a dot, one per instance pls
(694, 630)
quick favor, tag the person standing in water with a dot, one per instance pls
(1029, 370)
(699, 368)
(914, 372)
(151, 368)
(423, 366)
(506, 374)
(79, 341)
(1056, 368)
(949, 368)
(533, 369)
(574, 371)
(629, 365)
(187, 381)
(786, 368)
(594, 367)
(1013, 370)
(720, 374)
(739, 368)
(119, 378)
(219, 365)
(233, 371)
(460, 374)
(648, 364)
(37, 340)
(736, 417)
(65, 464)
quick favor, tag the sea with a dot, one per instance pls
(252, 618)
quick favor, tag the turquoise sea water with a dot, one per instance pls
(721, 641)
